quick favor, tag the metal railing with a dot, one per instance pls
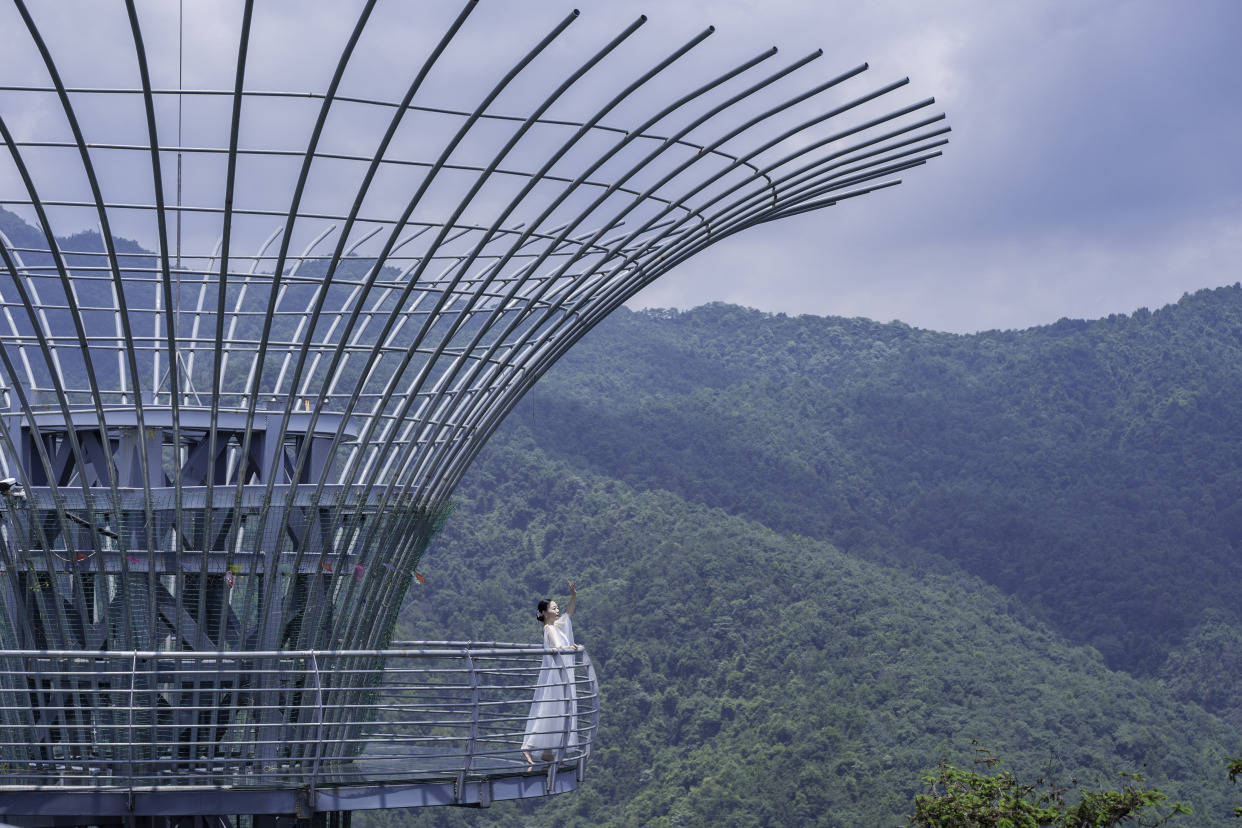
(425, 711)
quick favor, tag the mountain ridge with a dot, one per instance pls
(875, 435)
(751, 677)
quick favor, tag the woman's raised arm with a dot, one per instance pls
(573, 599)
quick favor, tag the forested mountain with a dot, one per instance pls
(816, 555)
(1092, 469)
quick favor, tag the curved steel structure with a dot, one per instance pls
(236, 431)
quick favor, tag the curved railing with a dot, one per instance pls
(422, 723)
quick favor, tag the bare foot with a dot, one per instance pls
(547, 756)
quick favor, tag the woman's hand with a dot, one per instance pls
(573, 598)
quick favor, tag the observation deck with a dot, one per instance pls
(114, 735)
(263, 299)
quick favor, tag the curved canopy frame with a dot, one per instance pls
(252, 336)
(238, 427)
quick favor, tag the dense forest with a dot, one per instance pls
(818, 555)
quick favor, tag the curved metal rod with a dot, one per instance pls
(118, 290)
(230, 182)
(388, 368)
(779, 181)
(326, 156)
(57, 378)
(564, 232)
(363, 189)
(257, 93)
(174, 373)
(206, 275)
(702, 119)
(414, 201)
(653, 244)
(366, 436)
(447, 480)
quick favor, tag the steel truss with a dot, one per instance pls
(246, 444)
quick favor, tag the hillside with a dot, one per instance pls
(970, 537)
(758, 678)
(1091, 469)
(817, 555)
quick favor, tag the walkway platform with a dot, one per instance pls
(107, 734)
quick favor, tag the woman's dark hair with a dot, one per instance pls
(543, 605)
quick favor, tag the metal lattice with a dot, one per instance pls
(251, 338)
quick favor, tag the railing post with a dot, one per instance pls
(153, 700)
(319, 720)
(593, 689)
(567, 694)
(133, 678)
(472, 739)
(430, 695)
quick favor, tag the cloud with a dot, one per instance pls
(995, 281)
(1093, 162)
(1092, 169)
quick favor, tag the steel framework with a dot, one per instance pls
(237, 432)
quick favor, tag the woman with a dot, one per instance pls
(553, 721)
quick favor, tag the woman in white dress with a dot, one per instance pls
(552, 724)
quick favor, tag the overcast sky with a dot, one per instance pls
(1093, 166)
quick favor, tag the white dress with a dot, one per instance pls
(553, 720)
